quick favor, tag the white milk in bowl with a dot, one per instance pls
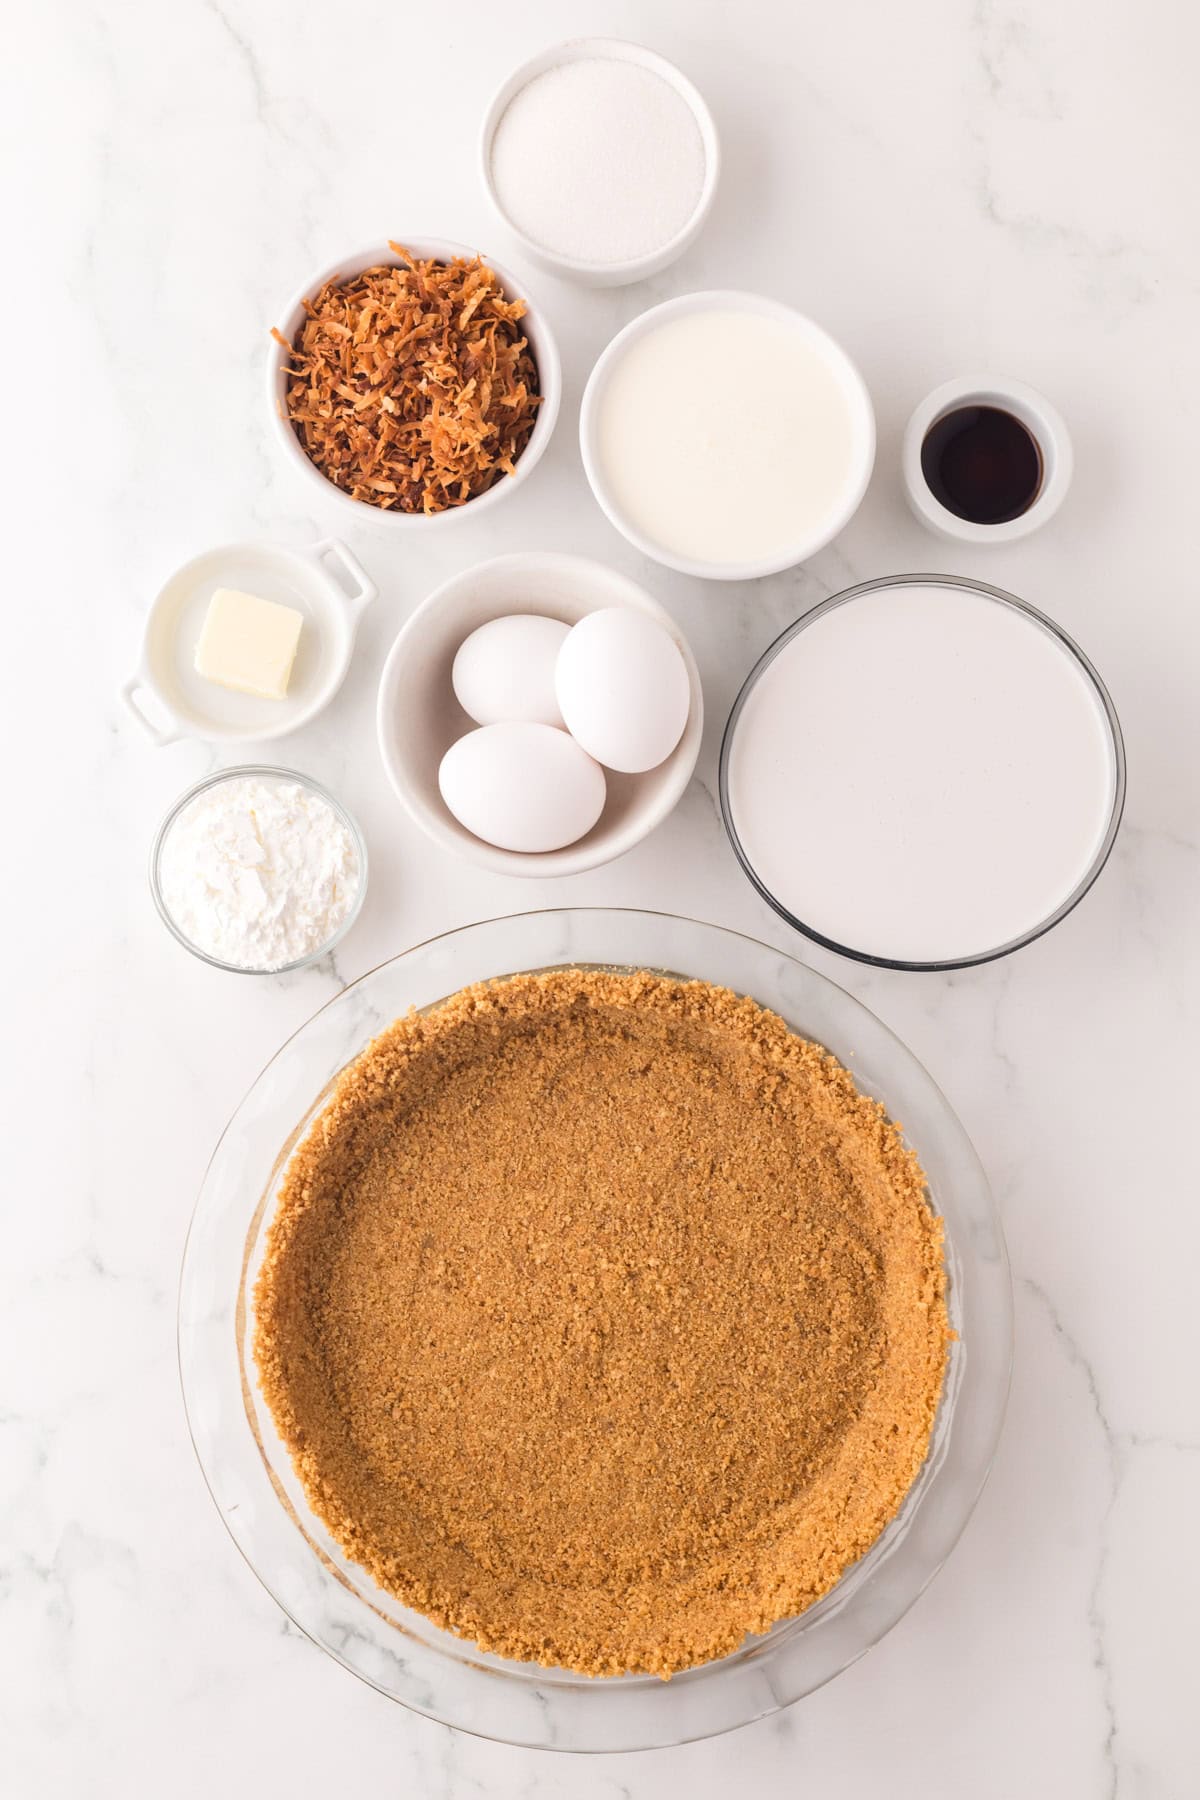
(726, 435)
(922, 772)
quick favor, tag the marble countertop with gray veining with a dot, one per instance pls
(960, 185)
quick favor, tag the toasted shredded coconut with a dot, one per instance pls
(413, 388)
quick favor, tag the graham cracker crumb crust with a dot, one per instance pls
(603, 1318)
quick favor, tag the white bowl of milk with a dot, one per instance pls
(727, 436)
(923, 773)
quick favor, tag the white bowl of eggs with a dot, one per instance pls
(540, 714)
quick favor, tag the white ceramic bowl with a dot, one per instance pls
(419, 717)
(541, 342)
(607, 274)
(852, 384)
(1038, 416)
(186, 704)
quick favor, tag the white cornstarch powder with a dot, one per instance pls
(598, 160)
(258, 872)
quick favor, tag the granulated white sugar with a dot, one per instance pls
(598, 160)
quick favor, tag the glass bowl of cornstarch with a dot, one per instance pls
(258, 870)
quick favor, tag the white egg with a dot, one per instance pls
(623, 688)
(522, 786)
(505, 670)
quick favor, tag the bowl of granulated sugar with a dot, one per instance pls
(602, 159)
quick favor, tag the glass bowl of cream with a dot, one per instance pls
(726, 435)
(258, 870)
(923, 773)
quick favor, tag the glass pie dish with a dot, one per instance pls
(334, 1601)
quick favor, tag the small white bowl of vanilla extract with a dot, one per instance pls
(986, 460)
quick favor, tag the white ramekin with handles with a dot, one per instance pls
(185, 703)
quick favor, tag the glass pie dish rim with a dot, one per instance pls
(449, 1679)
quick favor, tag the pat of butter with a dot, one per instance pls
(248, 644)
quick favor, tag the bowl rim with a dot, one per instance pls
(578, 49)
(541, 341)
(1034, 411)
(1067, 643)
(674, 773)
(714, 300)
(765, 1673)
(276, 772)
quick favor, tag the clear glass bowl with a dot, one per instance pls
(335, 1602)
(1107, 709)
(263, 771)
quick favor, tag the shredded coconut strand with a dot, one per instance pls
(258, 873)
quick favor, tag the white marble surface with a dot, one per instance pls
(957, 184)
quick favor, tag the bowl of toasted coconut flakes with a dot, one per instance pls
(413, 381)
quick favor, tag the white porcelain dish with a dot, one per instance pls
(1038, 416)
(185, 704)
(862, 417)
(604, 274)
(419, 717)
(541, 342)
